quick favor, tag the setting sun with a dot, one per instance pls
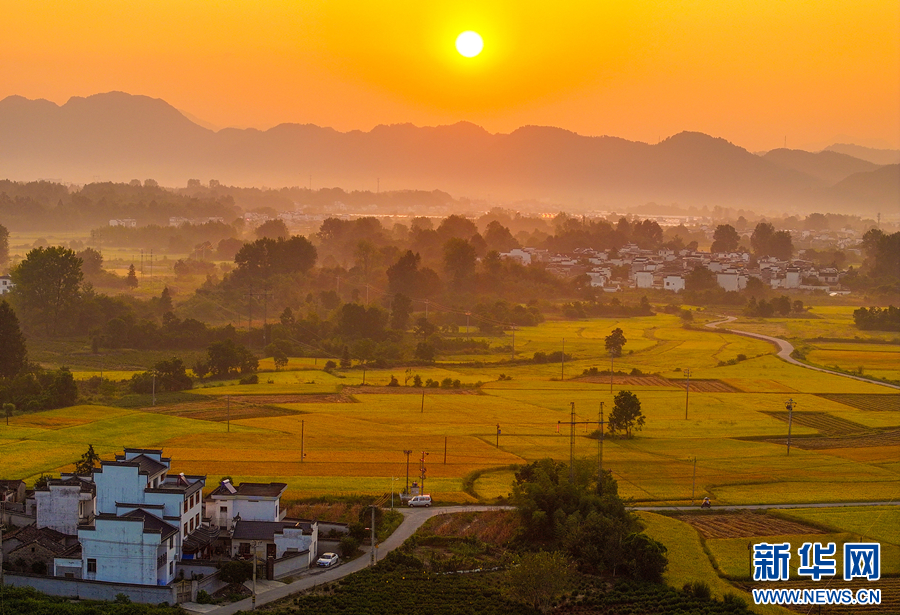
(469, 44)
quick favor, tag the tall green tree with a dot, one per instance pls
(13, 355)
(725, 239)
(48, 287)
(626, 414)
(459, 261)
(131, 281)
(615, 341)
(88, 460)
(4, 248)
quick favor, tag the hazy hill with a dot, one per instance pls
(119, 137)
(877, 156)
(828, 166)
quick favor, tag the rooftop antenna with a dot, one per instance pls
(785, 141)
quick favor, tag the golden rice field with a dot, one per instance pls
(301, 426)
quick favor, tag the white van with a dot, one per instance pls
(420, 500)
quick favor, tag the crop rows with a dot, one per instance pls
(745, 525)
(823, 422)
(873, 403)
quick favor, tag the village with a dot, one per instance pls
(136, 528)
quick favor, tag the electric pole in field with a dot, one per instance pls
(687, 391)
(407, 453)
(422, 473)
(789, 404)
(572, 423)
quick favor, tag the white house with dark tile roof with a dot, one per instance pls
(249, 501)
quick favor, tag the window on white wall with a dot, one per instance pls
(92, 565)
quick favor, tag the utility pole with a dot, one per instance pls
(422, 473)
(467, 325)
(513, 356)
(687, 391)
(610, 370)
(302, 428)
(407, 453)
(154, 388)
(253, 603)
(423, 401)
(373, 535)
(789, 404)
(600, 453)
(228, 411)
(562, 368)
(498, 435)
(2, 503)
(572, 423)
(694, 481)
(445, 450)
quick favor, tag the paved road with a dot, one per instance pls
(785, 349)
(413, 520)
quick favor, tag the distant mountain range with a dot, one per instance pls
(119, 137)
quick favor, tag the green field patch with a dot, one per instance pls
(880, 523)
(688, 562)
(878, 488)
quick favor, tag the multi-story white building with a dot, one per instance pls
(143, 517)
(6, 284)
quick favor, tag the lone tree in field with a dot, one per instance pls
(614, 342)
(131, 281)
(626, 414)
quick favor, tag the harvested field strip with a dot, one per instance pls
(707, 386)
(885, 438)
(217, 410)
(312, 398)
(874, 403)
(367, 390)
(825, 423)
(744, 525)
(635, 381)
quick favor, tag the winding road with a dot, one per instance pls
(414, 518)
(785, 348)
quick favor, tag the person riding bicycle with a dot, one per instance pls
(705, 503)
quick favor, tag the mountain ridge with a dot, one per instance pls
(118, 136)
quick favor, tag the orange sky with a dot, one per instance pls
(751, 71)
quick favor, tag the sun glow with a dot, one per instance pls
(469, 44)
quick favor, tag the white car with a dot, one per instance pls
(327, 559)
(420, 500)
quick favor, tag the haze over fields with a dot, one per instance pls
(118, 137)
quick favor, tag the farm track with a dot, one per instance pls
(883, 438)
(785, 349)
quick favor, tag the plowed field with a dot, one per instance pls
(875, 403)
(745, 525)
(825, 423)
